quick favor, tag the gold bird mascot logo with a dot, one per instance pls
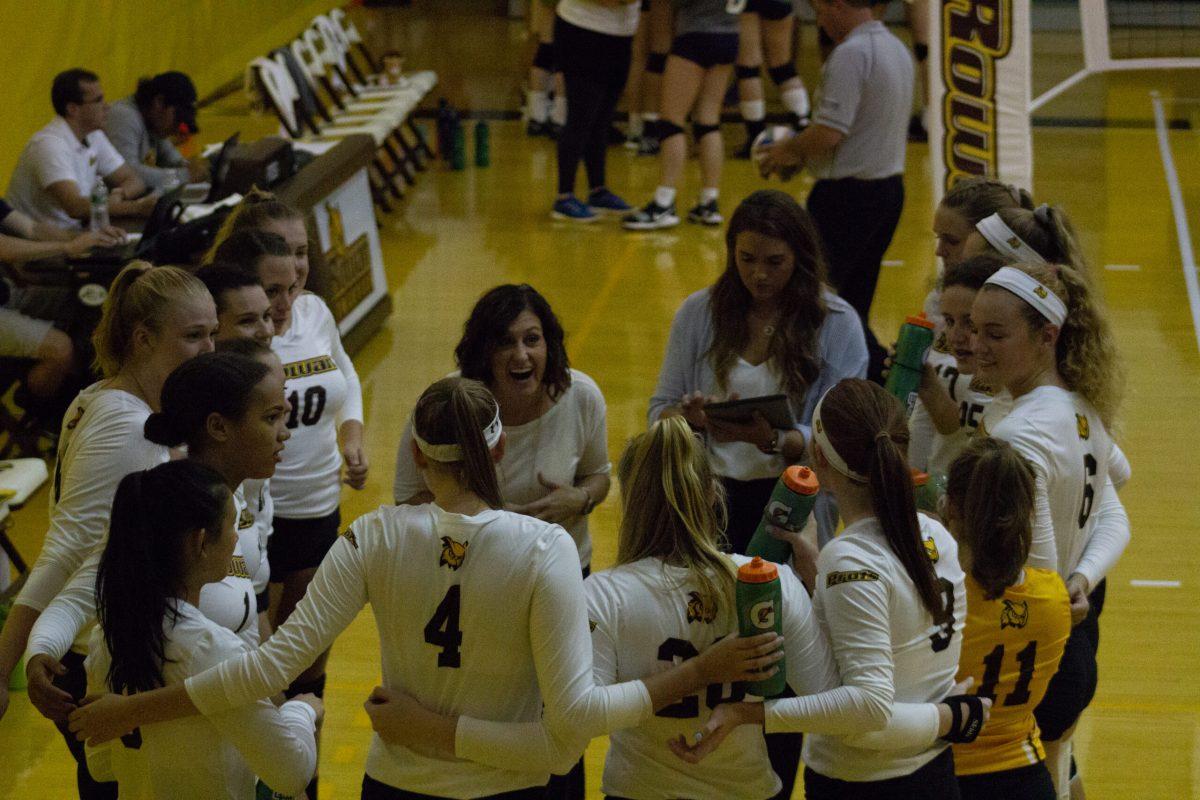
(931, 550)
(453, 553)
(1015, 614)
(1082, 425)
(698, 610)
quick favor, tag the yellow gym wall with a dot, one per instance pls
(122, 40)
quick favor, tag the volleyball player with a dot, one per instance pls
(243, 310)
(656, 25)
(1043, 233)
(153, 319)
(228, 410)
(480, 610)
(171, 536)
(1043, 337)
(770, 26)
(891, 597)
(546, 116)
(697, 74)
(262, 211)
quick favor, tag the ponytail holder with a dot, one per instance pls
(882, 435)
(1032, 291)
(449, 453)
(832, 455)
(1042, 214)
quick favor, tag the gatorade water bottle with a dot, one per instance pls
(483, 154)
(928, 489)
(916, 337)
(791, 502)
(458, 147)
(760, 609)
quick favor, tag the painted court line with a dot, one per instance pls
(1156, 584)
(893, 263)
(1182, 232)
(1123, 267)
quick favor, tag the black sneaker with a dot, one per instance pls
(916, 129)
(651, 217)
(553, 129)
(705, 214)
(535, 128)
(649, 146)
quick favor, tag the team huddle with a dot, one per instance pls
(196, 571)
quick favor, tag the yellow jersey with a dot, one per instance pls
(1011, 647)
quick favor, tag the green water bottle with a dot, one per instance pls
(791, 502)
(916, 337)
(483, 150)
(928, 489)
(458, 148)
(760, 609)
(264, 792)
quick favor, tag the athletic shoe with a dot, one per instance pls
(916, 129)
(651, 217)
(705, 214)
(553, 129)
(535, 128)
(572, 210)
(743, 153)
(649, 146)
(633, 143)
(604, 201)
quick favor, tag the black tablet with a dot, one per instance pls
(776, 408)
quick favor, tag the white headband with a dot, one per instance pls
(447, 453)
(835, 460)
(1032, 291)
(1002, 237)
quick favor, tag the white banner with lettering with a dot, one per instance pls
(979, 92)
(353, 279)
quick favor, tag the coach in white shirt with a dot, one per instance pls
(58, 168)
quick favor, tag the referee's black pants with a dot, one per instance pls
(856, 220)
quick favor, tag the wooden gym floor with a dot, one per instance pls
(459, 233)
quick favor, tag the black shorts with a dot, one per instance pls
(376, 790)
(769, 9)
(706, 49)
(298, 544)
(1023, 783)
(934, 781)
(1072, 688)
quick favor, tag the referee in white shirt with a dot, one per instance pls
(59, 166)
(855, 149)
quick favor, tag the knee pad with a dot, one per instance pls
(667, 129)
(316, 686)
(656, 63)
(700, 130)
(745, 73)
(782, 73)
(921, 51)
(543, 57)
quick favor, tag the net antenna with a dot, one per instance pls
(1123, 35)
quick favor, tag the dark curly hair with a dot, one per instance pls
(489, 323)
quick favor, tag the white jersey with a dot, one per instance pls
(101, 442)
(256, 509)
(887, 646)
(71, 615)
(323, 389)
(566, 444)
(932, 451)
(202, 758)
(648, 616)
(481, 616)
(1080, 525)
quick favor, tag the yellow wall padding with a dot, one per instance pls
(122, 40)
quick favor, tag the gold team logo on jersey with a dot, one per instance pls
(931, 550)
(978, 385)
(698, 610)
(309, 366)
(942, 344)
(237, 568)
(1014, 614)
(1081, 425)
(245, 519)
(349, 536)
(453, 553)
(75, 419)
(591, 626)
(850, 576)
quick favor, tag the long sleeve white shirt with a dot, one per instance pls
(481, 616)
(202, 758)
(101, 442)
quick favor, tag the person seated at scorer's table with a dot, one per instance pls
(142, 126)
(62, 162)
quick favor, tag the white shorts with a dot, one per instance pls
(21, 336)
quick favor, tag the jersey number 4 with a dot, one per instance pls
(314, 406)
(689, 707)
(442, 629)
(1026, 658)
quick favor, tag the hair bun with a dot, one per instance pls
(158, 429)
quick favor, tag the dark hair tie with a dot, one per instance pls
(1042, 214)
(882, 435)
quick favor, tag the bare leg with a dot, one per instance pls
(778, 41)
(55, 360)
(680, 87)
(708, 112)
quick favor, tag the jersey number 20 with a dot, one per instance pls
(689, 707)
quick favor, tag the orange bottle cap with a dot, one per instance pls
(801, 480)
(920, 319)
(758, 571)
(918, 478)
